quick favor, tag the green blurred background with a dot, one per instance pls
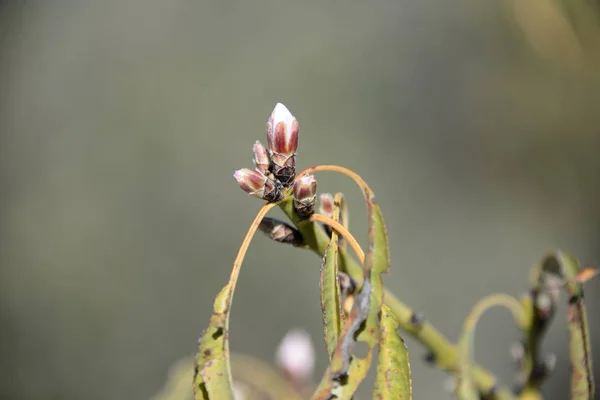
(121, 123)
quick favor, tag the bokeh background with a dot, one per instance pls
(477, 123)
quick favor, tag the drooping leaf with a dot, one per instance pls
(393, 379)
(346, 371)
(331, 301)
(316, 239)
(212, 370)
(582, 382)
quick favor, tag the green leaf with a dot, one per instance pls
(331, 302)
(346, 371)
(582, 383)
(393, 379)
(212, 370)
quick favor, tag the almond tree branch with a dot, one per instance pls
(444, 353)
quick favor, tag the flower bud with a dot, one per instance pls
(296, 356)
(282, 138)
(261, 158)
(280, 231)
(327, 204)
(347, 284)
(258, 185)
(305, 194)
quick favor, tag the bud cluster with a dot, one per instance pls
(275, 167)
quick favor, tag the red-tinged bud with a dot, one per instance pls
(327, 204)
(258, 185)
(282, 131)
(261, 158)
(282, 138)
(305, 195)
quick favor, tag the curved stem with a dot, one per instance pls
(342, 170)
(342, 231)
(505, 300)
(237, 263)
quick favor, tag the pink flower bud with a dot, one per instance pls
(258, 185)
(327, 204)
(261, 158)
(282, 138)
(296, 356)
(305, 194)
(282, 131)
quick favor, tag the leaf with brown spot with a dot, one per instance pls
(568, 268)
(212, 369)
(347, 371)
(393, 379)
(331, 300)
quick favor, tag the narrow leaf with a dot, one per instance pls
(582, 380)
(212, 370)
(346, 371)
(331, 302)
(393, 379)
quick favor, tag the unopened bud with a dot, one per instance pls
(347, 284)
(258, 185)
(305, 194)
(296, 356)
(541, 371)
(544, 305)
(280, 231)
(261, 158)
(327, 204)
(282, 138)
(417, 319)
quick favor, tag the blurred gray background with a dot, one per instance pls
(121, 123)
